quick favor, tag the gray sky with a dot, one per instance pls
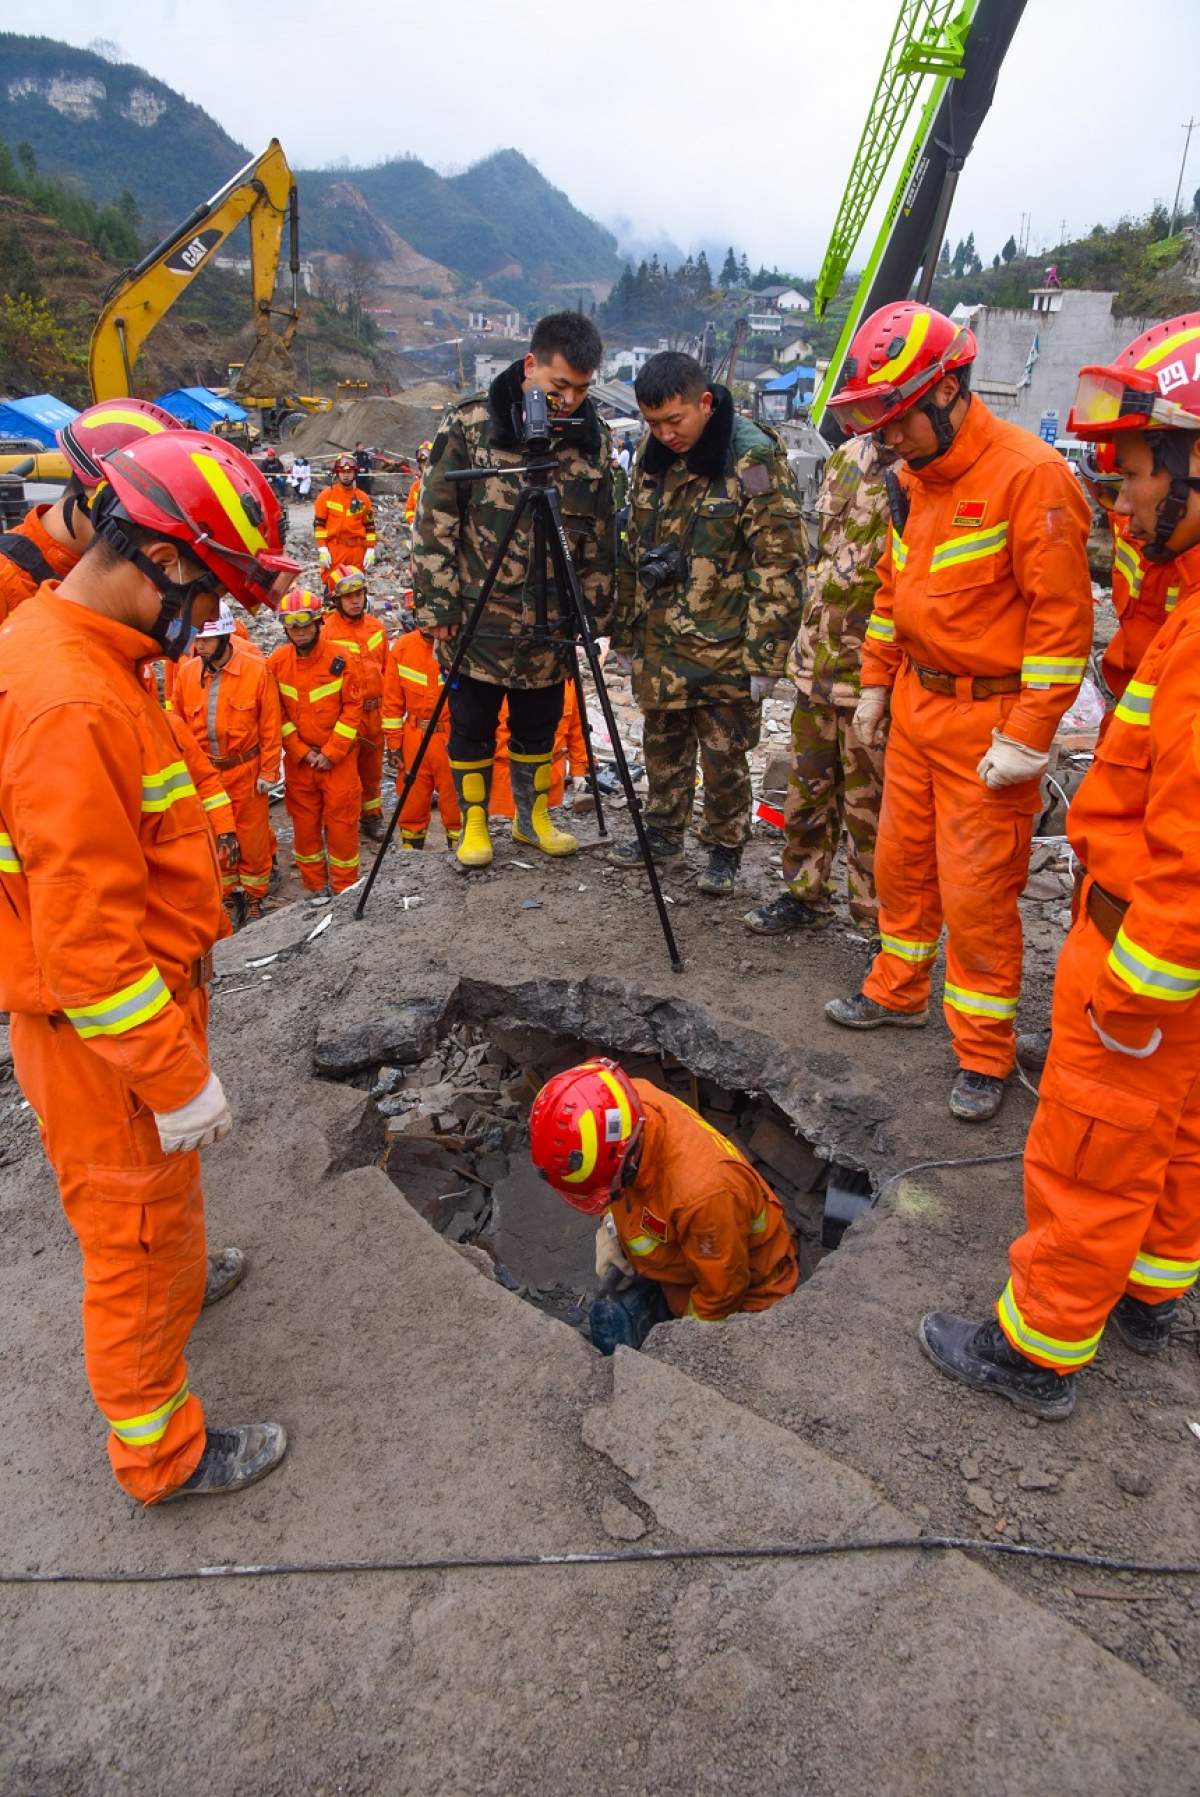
(698, 117)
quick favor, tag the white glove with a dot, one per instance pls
(608, 1248)
(263, 785)
(870, 714)
(1115, 1047)
(324, 558)
(202, 1120)
(1008, 762)
(619, 661)
(368, 561)
(761, 687)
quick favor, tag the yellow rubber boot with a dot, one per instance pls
(530, 776)
(473, 784)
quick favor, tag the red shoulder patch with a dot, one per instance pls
(653, 1225)
(969, 514)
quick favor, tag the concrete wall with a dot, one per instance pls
(1083, 331)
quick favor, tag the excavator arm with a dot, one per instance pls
(264, 194)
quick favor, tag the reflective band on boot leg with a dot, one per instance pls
(531, 776)
(473, 784)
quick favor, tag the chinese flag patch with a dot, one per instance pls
(654, 1225)
(969, 514)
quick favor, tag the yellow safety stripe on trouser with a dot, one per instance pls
(124, 1010)
(1066, 1355)
(1156, 1270)
(979, 1004)
(334, 862)
(1149, 975)
(375, 804)
(882, 630)
(308, 860)
(692, 1312)
(1052, 670)
(413, 839)
(969, 546)
(908, 951)
(165, 788)
(1135, 702)
(10, 861)
(142, 1431)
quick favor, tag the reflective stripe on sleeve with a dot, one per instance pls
(10, 861)
(908, 951)
(325, 692)
(969, 546)
(1065, 1354)
(758, 1221)
(1149, 975)
(393, 723)
(642, 1244)
(1135, 702)
(218, 799)
(288, 730)
(979, 1004)
(346, 730)
(141, 1431)
(1156, 1270)
(413, 674)
(166, 787)
(883, 630)
(1052, 670)
(289, 692)
(124, 1010)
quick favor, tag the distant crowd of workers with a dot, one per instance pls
(935, 640)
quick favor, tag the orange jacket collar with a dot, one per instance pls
(975, 433)
(121, 640)
(1187, 566)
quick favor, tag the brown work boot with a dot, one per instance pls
(226, 1269)
(372, 826)
(862, 1013)
(232, 1459)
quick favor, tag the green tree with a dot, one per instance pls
(729, 268)
(27, 160)
(944, 258)
(1010, 249)
(704, 280)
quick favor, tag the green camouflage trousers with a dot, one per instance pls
(724, 735)
(836, 783)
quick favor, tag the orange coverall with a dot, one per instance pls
(233, 714)
(410, 692)
(990, 579)
(364, 641)
(1143, 594)
(570, 756)
(172, 669)
(1112, 1161)
(343, 523)
(412, 500)
(700, 1220)
(28, 556)
(112, 903)
(321, 703)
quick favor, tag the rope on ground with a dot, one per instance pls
(968, 1160)
(624, 1556)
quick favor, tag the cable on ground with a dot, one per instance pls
(622, 1556)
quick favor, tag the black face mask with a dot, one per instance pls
(173, 629)
(1172, 452)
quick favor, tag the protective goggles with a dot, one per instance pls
(1100, 475)
(861, 410)
(1111, 400)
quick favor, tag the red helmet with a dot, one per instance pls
(209, 498)
(344, 464)
(582, 1126)
(300, 605)
(109, 425)
(1154, 384)
(897, 356)
(1100, 475)
(346, 579)
(424, 450)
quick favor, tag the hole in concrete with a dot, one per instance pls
(458, 1150)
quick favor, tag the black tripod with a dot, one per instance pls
(551, 550)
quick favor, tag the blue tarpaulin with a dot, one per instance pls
(40, 417)
(200, 408)
(795, 377)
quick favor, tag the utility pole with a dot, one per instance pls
(1187, 144)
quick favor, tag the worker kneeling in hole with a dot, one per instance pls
(690, 1229)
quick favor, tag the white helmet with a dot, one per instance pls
(221, 625)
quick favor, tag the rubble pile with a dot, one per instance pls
(391, 427)
(457, 1141)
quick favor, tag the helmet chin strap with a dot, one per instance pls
(172, 629)
(943, 429)
(1172, 452)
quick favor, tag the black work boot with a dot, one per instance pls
(862, 1013)
(976, 1097)
(371, 824)
(1146, 1328)
(784, 915)
(232, 1459)
(720, 876)
(1032, 1048)
(225, 1270)
(664, 850)
(979, 1354)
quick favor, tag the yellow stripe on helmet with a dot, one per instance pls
(229, 501)
(1167, 347)
(135, 420)
(893, 371)
(590, 1146)
(620, 1100)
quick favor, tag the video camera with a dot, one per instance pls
(539, 424)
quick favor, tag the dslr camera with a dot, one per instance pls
(662, 567)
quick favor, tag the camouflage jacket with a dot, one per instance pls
(731, 506)
(852, 520)
(459, 525)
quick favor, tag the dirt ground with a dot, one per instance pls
(435, 1413)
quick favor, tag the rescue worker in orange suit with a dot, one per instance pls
(51, 538)
(977, 645)
(682, 1206)
(112, 905)
(1112, 1160)
(410, 692)
(228, 701)
(414, 492)
(321, 701)
(1143, 593)
(569, 760)
(344, 523)
(357, 634)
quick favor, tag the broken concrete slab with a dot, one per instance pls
(533, 1230)
(402, 1035)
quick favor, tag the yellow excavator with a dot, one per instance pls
(263, 194)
